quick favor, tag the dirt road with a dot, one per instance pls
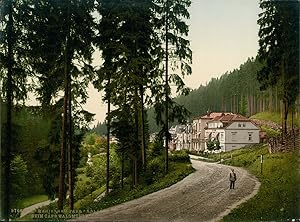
(201, 196)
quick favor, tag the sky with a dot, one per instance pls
(223, 34)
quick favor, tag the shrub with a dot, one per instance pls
(270, 132)
(180, 156)
(83, 188)
(80, 171)
(155, 169)
(89, 171)
(19, 173)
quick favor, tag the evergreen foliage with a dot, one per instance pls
(236, 91)
(279, 50)
(19, 174)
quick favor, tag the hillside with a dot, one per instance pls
(236, 91)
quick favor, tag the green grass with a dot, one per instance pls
(275, 117)
(89, 199)
(177, 172)
(279, 195)
(82, 177)
(28, 201)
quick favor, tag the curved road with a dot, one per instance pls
(202, 196)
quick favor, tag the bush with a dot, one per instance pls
(180, 156)
(177, 172)
(80, 171)
(270, 132)
(83, 188)
(19, 173)
(89, 172)
(155, 169)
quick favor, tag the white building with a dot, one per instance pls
(233, 131)
(181, 137)
(199, 124)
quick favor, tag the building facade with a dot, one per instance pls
(233, 131)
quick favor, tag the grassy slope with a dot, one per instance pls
(28, 201)
(275, 117)
(176, 173)
(279, 195)
(90, 198)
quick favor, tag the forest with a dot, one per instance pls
(236, 91)
(47, 49)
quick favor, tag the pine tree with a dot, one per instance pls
(279, 50)
(173, 30)
(59, 41)
(15, 76)
(128, 46)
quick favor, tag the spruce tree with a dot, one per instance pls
(60, 34)
(279, 50)
(171, 27)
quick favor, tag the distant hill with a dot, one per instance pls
(235, 91)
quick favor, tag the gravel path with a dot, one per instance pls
(201, 196)
(30, 209)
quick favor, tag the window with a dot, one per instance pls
(244, 124)
(239, 125)
(250, 136)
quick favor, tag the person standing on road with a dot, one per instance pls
(232, 178)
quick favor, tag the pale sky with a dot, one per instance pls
(223, 34)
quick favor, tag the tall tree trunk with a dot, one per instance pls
(252, 105)
(234, 111)
(222, 102)
(231, 105)
(143, 128)
(286, 110)
(135, 172)
(271, 100)
(167, 92)
(66, 119)
(70, 148)
(249, 105)
(70, 132)
(9, 104)
(282, 120)
(108, 138)
(276, 101)
(61, 190)
(293, 130)
(122, 171)
(138, 133)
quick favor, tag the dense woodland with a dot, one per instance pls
(235, 91)
(47, 48)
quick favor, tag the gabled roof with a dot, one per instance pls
(212, 115)
(230, 118)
